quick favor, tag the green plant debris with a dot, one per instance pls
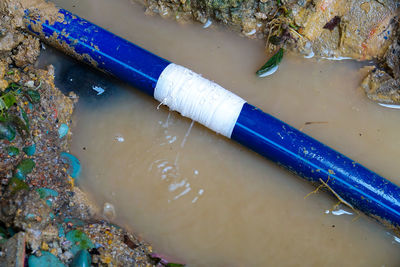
(33, 96)
(79, 240)
(15, 185)
(12, 151)
(20, 126)
(23, 168)
(271, 65)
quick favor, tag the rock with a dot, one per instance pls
(63, 130)
(30, 150)
(74, 168)
(46, 260)
(23, 168)
(82, 259)
(15, 250)
(79, 240)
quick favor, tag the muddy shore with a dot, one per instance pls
(359, 30)
(45, 220)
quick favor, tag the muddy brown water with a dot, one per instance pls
(206, 200)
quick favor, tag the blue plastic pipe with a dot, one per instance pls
(361, 188)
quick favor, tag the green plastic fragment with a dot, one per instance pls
(46, 192)
(23, 168)
(74, 166)
(79, 240)
(30, 150)
(46, 260)
(12, 151)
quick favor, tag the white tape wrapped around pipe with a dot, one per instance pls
(199, 99)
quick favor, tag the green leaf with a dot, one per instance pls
(13, 86)
(9, 100)
(23, 168)
(175, 265)
(3, 117)
(20, 125)
(271, 63)
(25, 117)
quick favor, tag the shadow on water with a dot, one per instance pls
(91, 85)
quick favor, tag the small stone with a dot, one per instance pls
(15, 248)
(30, 150)
(109, 211)
(63, 130)
(79, 241)
(30, 84)
(12, 151)
(82, 259)
(46, 260)
(74, 168)
(23, 168)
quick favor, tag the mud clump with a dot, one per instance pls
(44, 217)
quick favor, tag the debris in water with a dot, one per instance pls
(98, 89)
(272, 64)
(207, 24)
(119, 138)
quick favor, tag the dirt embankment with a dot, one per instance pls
(44, 219)
(340, 29)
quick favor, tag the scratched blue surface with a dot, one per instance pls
(270, 137)
(110, 53)
(308, 158)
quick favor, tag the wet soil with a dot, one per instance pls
(45, 220)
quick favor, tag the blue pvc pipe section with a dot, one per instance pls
(268, 136)
(103, 49)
